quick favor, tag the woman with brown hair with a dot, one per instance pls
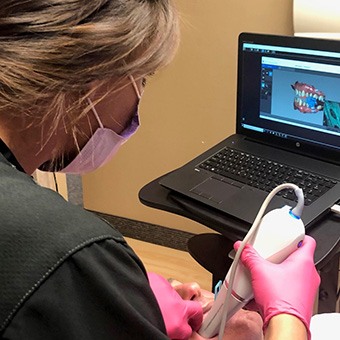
(71, 76)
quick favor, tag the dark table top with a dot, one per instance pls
(325, 231)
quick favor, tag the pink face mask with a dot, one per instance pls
(102, 145)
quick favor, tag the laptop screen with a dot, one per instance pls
(289, 91)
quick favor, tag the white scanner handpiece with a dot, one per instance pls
(279, 234)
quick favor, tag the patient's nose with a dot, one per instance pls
(192, 291)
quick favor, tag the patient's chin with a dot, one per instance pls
(251, 316)
(246, 325)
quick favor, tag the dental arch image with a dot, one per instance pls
(309, 100)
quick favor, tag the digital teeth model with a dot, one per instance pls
(307, 98)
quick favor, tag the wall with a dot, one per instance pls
(47, 179)
(187, 108)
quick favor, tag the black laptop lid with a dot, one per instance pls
(289, 93)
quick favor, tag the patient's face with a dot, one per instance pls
(244, 325)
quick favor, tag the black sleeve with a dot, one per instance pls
(101, 292)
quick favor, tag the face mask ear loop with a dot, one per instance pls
(95, 112)
(133, 82)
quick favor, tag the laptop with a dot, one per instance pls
(287, 126)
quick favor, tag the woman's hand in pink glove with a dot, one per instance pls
(289, 287)
(181, 317)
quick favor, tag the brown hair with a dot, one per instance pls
(51, 50)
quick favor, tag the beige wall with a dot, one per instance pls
(47, 179)
(187, 108)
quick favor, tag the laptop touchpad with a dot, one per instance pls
(238, 200)
(216, 190)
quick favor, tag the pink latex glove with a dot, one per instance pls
(289, 287)
(181, 317)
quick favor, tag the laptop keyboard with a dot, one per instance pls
(265, 174)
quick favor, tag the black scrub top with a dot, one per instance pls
(65, 273)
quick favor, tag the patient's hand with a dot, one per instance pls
(244, 325)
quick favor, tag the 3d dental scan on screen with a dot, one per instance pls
(287, 130)
(314, 102)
